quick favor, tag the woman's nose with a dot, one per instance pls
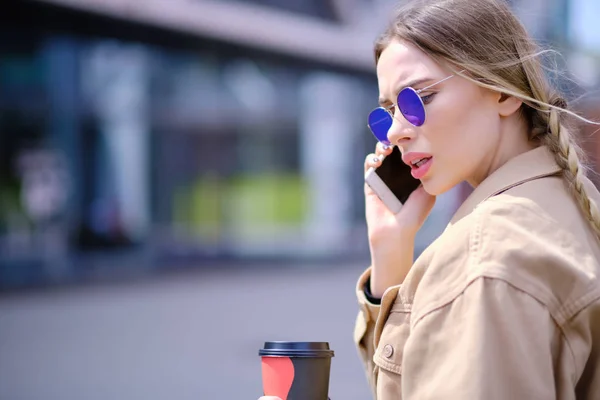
(401, 131)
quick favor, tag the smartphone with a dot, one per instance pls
(392, 181)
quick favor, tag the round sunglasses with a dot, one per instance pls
(411, 106)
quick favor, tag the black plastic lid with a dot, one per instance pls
(296, 349)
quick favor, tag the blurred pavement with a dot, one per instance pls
(193, 335)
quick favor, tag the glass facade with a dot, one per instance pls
(312, 8)
(135, 153)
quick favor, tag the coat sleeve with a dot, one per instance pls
(365, 327)
(491, 342)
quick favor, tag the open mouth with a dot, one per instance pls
(418, 163)
(419, 168)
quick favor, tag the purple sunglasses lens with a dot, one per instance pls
(411, 106)
(380, 123)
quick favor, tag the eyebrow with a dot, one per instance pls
(410, 84)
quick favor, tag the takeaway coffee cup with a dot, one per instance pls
(296, 370)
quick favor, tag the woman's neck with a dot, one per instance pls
(514, 140)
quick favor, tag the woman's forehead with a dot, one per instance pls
(402, 62)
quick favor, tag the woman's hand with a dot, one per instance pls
(392, 236)
(269, 398)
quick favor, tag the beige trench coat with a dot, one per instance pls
(505, 304)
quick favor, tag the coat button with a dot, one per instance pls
(388, 351)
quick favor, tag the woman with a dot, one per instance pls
(505, 304)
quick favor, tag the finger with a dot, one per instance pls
(417, 207)
(269, 398)
(372, 161)
(383, 149)
(421, 197)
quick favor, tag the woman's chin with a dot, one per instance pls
(436, 187)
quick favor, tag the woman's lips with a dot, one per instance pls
(420, 171)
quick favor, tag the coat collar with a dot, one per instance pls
(534, 164)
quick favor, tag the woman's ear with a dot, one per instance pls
(508, 105)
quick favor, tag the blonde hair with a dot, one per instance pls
(486, 40)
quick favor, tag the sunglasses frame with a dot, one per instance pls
(417, 92)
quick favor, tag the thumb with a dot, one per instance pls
(416, 209)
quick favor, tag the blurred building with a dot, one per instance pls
(142, 134)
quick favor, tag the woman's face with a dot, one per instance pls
(462, 125)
